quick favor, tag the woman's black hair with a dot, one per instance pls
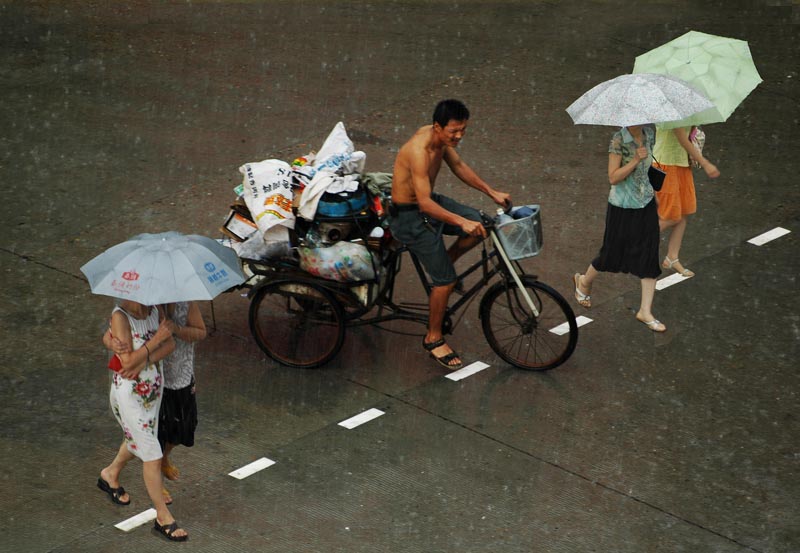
(448, 110)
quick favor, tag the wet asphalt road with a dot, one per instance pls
(121, 119)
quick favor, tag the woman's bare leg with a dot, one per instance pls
(645, 313)
(675, 240)
(586, 279)
(674, 243)
(151, 471)
(111, 473)
(169, 470)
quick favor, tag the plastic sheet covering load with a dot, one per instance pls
(272, 245)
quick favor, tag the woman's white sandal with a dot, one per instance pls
(653, 325)
(668, 264)
(584, 300)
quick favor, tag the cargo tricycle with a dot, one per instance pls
(300, 320)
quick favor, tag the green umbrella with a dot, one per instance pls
(722, 68)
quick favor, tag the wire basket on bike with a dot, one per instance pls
(522, 237)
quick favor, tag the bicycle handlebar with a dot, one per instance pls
(488, 222)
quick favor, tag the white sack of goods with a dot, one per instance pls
(268, 193)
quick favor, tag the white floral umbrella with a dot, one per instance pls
(638, 99)
(152, 269)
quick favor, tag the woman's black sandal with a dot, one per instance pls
(113, 493)
(444, 360)
(167, 531)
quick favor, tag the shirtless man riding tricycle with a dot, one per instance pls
(417, 213)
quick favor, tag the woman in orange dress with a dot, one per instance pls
(674, 152)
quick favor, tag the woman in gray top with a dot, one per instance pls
(178, 416)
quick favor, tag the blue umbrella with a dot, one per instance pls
(152, 269)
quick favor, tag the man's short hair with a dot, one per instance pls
(448, 110)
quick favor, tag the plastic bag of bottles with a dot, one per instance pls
(343, 261)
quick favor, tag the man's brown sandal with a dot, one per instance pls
(444, 360)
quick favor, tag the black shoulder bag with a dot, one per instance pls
(656, 176)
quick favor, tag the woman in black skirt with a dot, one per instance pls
(178, 416)
(631, 239)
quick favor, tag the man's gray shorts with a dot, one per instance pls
(421, 234)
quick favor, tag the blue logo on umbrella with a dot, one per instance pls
(209, 267)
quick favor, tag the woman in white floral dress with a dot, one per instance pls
(135, 398)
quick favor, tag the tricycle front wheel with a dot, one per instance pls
(519, 336)
(300, 324)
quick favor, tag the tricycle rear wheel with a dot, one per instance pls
(299, 324)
